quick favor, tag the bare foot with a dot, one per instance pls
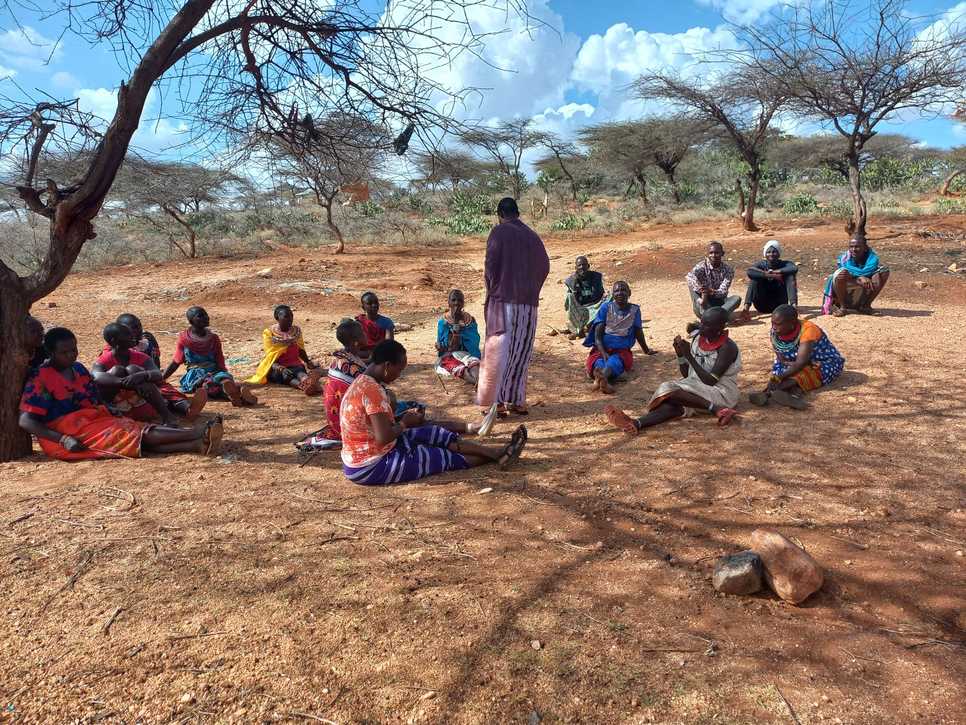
(838, 311)
(211, 439)
(603, 384)
(233, 391)
(726, 416)
(247, 396)
(621, 420)
(198, 401)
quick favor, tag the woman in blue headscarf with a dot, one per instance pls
(856, 283)
(458, 341)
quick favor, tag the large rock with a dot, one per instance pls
(789, 571)
(738, 573)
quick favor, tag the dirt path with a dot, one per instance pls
(247, 588)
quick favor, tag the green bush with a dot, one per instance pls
(570, 223)
(949, 206)
(802, 204)
(839, 209)
(368, 209)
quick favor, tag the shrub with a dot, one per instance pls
(949, 206)
(570, 223)
(368, 209)
(800, 205)
(839, 209)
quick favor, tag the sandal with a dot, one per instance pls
(760, 398)
(621, 420)
(488, 420)
(212, 435)
(783, 397)
(514, 448)
(726, 416)
(838, 311)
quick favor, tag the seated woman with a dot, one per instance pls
(35, 343)
(378, 450)
(856, 283)
(62, 408)
(375, 326)
(458, 342)
(771, 282)
(144, 341)
(585, 294)
(613, 332)
(200, 351)
(131, 383)
(285, 361)
(805, 359)
(709, 366)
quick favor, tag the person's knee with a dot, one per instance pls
(118, 371)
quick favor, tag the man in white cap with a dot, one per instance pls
(771, 282)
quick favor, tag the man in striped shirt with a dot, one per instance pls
(710, 281)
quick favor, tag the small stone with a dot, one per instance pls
(536, 644)
(187, 698)
(264, 273)
(485, 490)
(618, 264)
(953, 268)
(534, 718)
(918, 284)
(51, 305)
(851, 399)
(924, 269)
(959, 552)
(739, 573)
(790, 572)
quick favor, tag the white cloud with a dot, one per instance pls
(154, 134)
(64, 80)
(742, 11)
(6, 73)
(26, 48)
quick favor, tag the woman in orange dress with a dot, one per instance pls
(61, 407)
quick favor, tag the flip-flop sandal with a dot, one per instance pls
(621, 420)
(501, 411)
(198, 402)
(759, 398)
(488, 420)
(838, 312)
(213, 433)
(785, 398)
(726, 416)
(514, 448)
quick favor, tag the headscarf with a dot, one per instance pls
(769, 244)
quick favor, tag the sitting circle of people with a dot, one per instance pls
(124, 406)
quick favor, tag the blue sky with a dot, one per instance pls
(567, 73)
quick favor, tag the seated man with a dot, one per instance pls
(376, 327)
(856, 283)
(585, 295)
(62, 408)
(376, 449)
(710, 281)
(771, 282)
(613, 332)
(709, 366)
(144, 341)
(458, 342)
(285, 361)
(805, 359)
(131, 383)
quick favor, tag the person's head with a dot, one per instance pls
(284, 317)
(621, 292)
(456, 303)
(35, 332)
(370, 304)
(713, 323)
(61, 347)
(118, 336)
(715, 253)
(197, 317)
(784, 319)
(392, 357)
(772, 252)
(132, 323)
(350, 335)
(581, 266)
(858, 247)
(507, 208)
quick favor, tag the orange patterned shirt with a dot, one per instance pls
(363, 398)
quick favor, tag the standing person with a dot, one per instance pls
(515, 269)
(710, 281)
(856, 283)
(771, 282)
(585, 295)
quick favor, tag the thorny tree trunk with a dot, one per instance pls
(856, 225)
(748, 218)
(192, 249)
(642, 182)
(944, 191)
(669, 173)
(14, 356)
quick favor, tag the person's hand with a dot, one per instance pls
(705, 298)
(681, 346)
(650, 351)
(865, 282)
(413, 418)
(135, 379)
(439, 348)
(72, 444)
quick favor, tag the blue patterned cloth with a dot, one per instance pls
(419, 452)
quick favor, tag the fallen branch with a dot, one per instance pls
(71, 580)
(310, 716)
(791, 710)
(17, 520)
(175, 637)
(110, 620)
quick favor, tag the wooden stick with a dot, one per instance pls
(442, 385)
(310, 716)
(791, 710)
(175, 637)
(110, 620)
(81, 524)
(19, 519)
(71, 580)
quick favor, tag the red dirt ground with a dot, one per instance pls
(249, 589)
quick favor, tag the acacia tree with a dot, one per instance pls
(956, 158)
(504, 145)
(563, 155)
(827, 151)
(449, 166)
(334, 152)
(854, 64)
(236, 68)
(670, 141)
(624, 148)
(742, 104)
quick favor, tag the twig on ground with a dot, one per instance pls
(860, 657)
(441, 383)
(72, 579)
(175, 637)
(333, 539)
(310, 716)
(309, 459)
(105, 628)
(791, 710)
(942, 535)
(17, 520)
(856, 544)
(81, 524)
